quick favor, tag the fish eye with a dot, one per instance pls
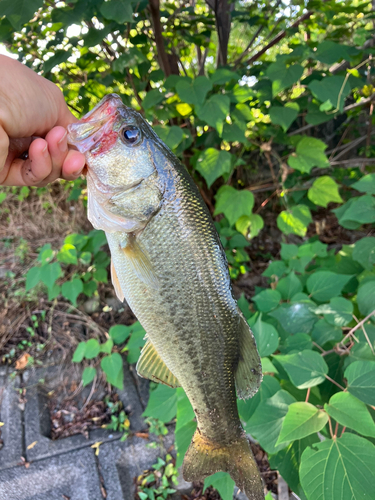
(130, 135)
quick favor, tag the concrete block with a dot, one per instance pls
(38, 425)
(120, 463)
(73, 476)
(37, 417)
(11, 416)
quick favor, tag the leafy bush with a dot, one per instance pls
(276, 131)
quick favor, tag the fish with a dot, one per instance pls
(168, 263)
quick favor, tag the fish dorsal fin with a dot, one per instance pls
(116, 283)
(151, 366)
(248, 375)
(140, 262)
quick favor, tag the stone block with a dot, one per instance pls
(120, 463)
(72, 476)
(12, 430)
(38, 422)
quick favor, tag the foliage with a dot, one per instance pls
(158, 482)
(260, 121)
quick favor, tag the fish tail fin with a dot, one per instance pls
(205, 457)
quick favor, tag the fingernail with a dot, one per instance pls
(62, 145)
(45, 151)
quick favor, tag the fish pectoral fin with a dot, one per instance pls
(116, 283)
(140, 262)
(151, 366)
(248, 375)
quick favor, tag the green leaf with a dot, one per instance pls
(92, 349)
(289, 286)
(79, 353)
(223, 75)
(366, 184)
(132, 57)
(213, 163)
(266, 337)
(234, 132)
(171, 136)
(323, 191)
(357, 211)
(288, 251)
(305, 369)
(214, 111)
(89, 288)
(113, 368)
(323, 332)
(267, 420)
(32, 277)
(19, 12)
(119, 333)
(329, 52)
(295, 318)
(250, 225)
(107, 346)
(71, 289)
(288, 460)
(276, 268)
(49, 274)
(135, 342)
(233, 203)
(331, 88)
(152, 98)
(117, 10)
(183, 437)
(267, 366)
(267, 389)
(301, 420)
(350, 412)
(194, 92)
(88, 375)
(283, 77)
(59, 57)
(67, 254)
(366, 298)
(339, 311)
(223, 483)
(294, 220)
(162, 404)
(361, 380)
(323, 285)
(284, 115)
(309, 153)
(185, 412)
(339, 469)
(267, 300)
(364, 252)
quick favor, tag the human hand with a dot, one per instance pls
(30, 107)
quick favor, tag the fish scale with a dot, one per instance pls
(169, 265)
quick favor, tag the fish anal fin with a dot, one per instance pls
(205, 457)
(140, 262)
(116, 283)
(151, 366)
(248, 375)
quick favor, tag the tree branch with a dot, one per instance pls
(279, 37)
(257, 33)
(154, 6)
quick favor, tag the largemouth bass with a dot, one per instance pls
(169, 265)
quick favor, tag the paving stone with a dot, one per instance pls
(120, 463)
(38, 422)
(74, 475)
(11, 416)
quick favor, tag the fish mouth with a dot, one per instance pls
(98, 122)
